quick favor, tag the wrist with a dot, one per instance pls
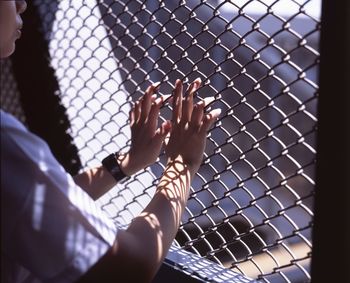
(176, 180)
(181, 165)
(112, 164)
(126, 165)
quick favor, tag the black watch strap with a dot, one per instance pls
(112, 166)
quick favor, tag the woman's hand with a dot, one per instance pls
(146, 137)
(190, 126)
(188, 130)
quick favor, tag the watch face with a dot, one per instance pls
(112, 166)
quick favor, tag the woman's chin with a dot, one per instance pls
(8, 51)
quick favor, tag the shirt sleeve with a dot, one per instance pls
(49, 225)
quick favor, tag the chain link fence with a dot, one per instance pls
(250, 208)
(9, 98)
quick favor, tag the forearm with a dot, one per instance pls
(139, 250)
(157, 225)
(96, 182)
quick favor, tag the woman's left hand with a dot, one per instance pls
(146, 137)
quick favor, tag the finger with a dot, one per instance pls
(177, 102)
(146, 101)
(153, 116)
(188, 104)
(196, 84)
(132, 116)
(187, 107)
(167, 128)
(165, 99)
(208, 100)
(197, 115)
(137, 111)
(209, 120)
(153, 98)
(168, 101)
(163, 132)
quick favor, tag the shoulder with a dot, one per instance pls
(17, 141)
(43, 210)
(8, 122)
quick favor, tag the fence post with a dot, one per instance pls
(330, 260)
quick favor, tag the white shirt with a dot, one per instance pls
(51, 230)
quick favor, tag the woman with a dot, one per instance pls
(52, 230)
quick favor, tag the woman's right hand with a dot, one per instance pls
(190, 125)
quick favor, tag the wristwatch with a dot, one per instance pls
(112, 166)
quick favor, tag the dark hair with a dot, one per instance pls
(40, 93)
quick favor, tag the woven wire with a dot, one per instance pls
(250, 207)
(9, 94)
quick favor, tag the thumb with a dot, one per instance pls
(166, 129)
(209, 120)
(163, 131)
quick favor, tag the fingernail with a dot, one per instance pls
(216, 112)
(156, 86)
(208, 100)
(165, 98)
(158, 101)
(198, 81)
(153, 97)
(189, 88)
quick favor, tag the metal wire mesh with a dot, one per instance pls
(250, 207)
(9, 95)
